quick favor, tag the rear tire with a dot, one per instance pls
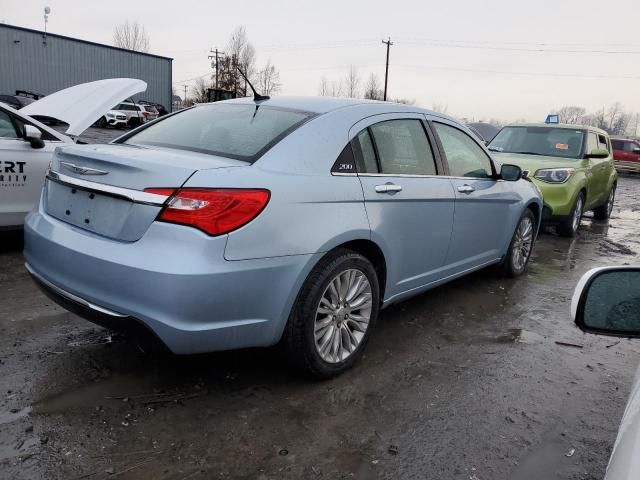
(569, 227)
(603, 212)
(521, 246)
(325, 335)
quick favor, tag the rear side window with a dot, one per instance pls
(464, 155)
(403, 148)
(242, 132)
(602, 143)
(365, 152)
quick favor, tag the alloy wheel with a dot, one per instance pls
(577, 213)
(342, 316)
(523, 243)
(611, 200)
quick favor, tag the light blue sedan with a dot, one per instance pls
(243, 223)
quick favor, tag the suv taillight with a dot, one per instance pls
(215, 211)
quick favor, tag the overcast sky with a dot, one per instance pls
(479, 58)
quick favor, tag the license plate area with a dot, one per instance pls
(89, 210)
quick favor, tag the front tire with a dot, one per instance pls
(521, 246)
(334, 314)
(603, 212)
(569, 227)
(102, 123)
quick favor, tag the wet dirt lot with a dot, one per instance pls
(464, 382)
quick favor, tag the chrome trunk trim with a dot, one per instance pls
(136, 196)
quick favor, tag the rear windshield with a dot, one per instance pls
(242, 132)
(554, 142)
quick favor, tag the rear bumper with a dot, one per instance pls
(132, 327)
(174, 282)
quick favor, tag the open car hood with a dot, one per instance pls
(81, 105)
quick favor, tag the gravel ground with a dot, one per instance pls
(463, 382)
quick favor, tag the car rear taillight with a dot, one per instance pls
(214, 211)
(145, 114)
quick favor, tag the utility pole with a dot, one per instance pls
(184, 99)
(388, 43)
(216, 55)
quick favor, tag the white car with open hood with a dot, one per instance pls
(27, 145)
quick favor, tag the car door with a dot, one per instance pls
(486, 209)
(22, 170)
(408, 204)
(595, 172)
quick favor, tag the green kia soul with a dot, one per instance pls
(572, 165)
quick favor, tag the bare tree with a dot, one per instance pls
(412, 101)
(440, 107)
(613, 113)
(336, 89)
(268, 79)
(131, 36)
(323, 90)
(621, 124)
(572, 114)
(372, 90)
(352, 82)
(199, 91)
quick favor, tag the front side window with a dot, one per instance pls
(7, 130)
(464, 156)
(542, 140)
(242, 132)
(630, 146)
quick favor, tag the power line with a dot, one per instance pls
(534, 44)
(191, 79)
(533, 74)
(518, 49)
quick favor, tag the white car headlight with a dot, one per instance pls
(110, 115)
(554, 175)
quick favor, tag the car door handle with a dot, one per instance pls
(388, 188)
(466, 189)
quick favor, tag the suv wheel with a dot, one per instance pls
(603, 212)
(334, 314)
(519, 252)
(569, 227)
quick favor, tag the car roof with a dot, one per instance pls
(325, 104)
(568, 126)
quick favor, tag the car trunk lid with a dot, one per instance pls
(100, 188)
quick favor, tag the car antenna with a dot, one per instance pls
(256, 96)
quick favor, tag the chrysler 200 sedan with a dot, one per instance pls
(246, 223)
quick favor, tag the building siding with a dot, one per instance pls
(30, 61)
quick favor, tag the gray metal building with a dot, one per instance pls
(33, 61)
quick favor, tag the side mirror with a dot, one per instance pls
(510, 173)
(596, 153)
(33, 136)
(607, 301)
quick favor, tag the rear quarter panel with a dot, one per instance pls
(310, 210)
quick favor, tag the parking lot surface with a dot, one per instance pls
(467, 381)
